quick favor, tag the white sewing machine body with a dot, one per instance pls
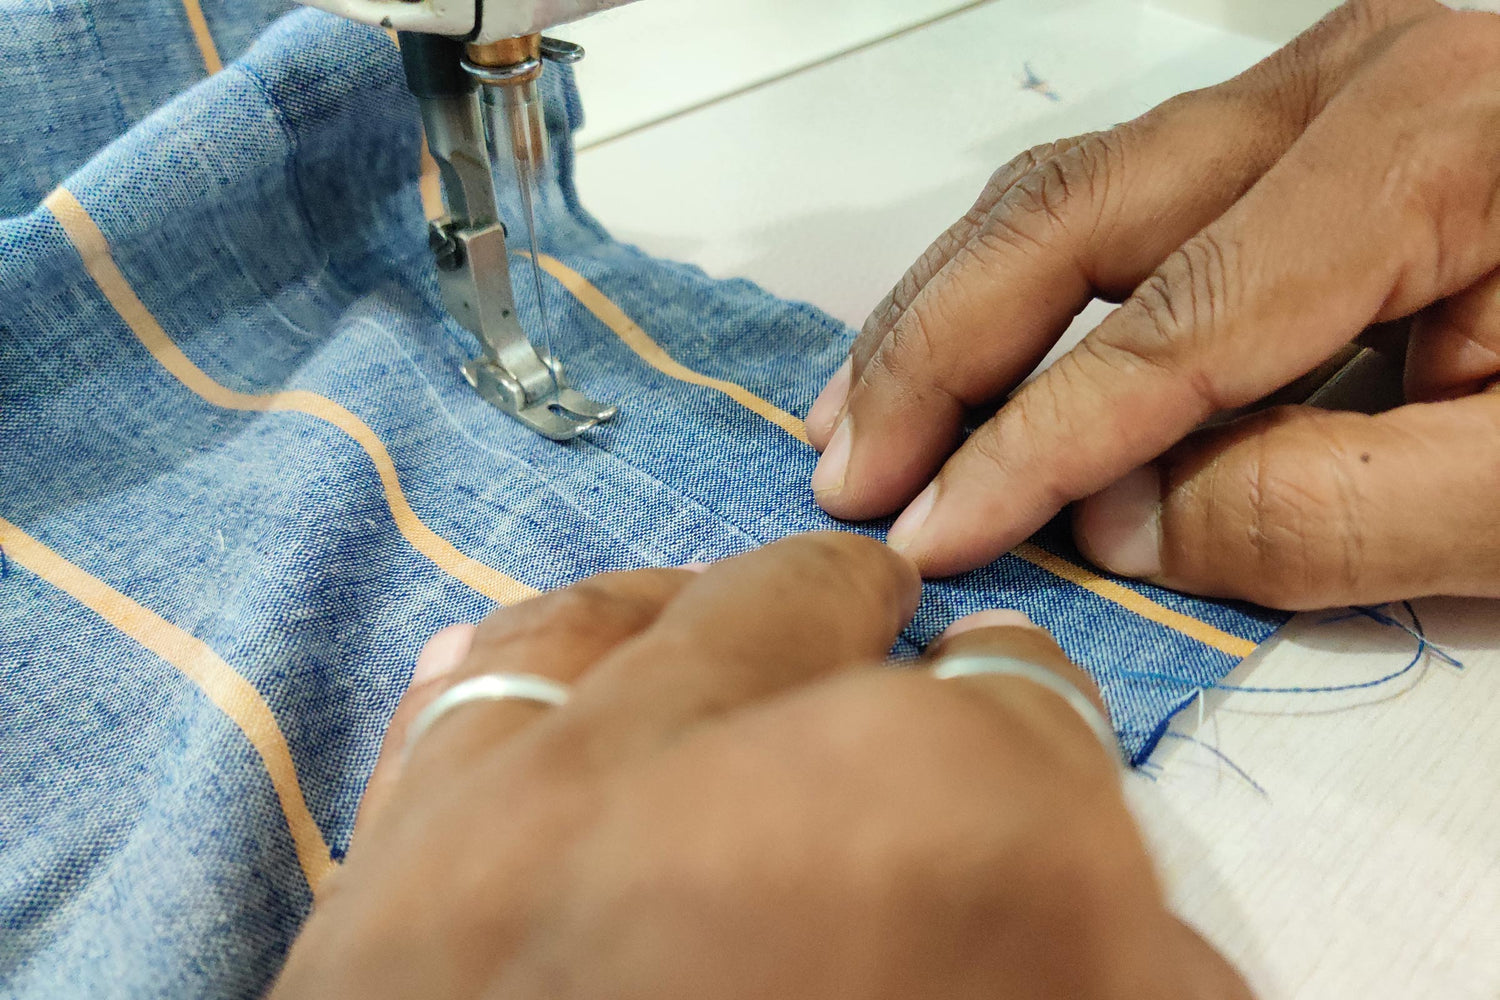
(476, 21)
(474, 67)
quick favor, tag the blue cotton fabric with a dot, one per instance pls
(269, 219)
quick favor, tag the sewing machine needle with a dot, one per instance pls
(528, 133)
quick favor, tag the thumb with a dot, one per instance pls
(1455, 345)
(1299, 508)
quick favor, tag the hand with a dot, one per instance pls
(739, 802)
(1252, 229)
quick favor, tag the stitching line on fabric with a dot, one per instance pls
(93, 249)
(634, 337)
(203, 36)
(649, 554)
(230, 692)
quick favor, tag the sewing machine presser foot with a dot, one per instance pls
(561, 415)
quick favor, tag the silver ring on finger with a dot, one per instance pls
(487, 687)
(977, 665)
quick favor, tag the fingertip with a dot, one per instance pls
(996, 618)
(443, 653)
(869, 548)
(440, 657)
(911, 574)
(833, 468)
(859, 556)
(1011, 635)
(1119, 528)
(908, 530)
(890, 441)
(826, 409)
(942, 538)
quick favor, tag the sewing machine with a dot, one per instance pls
(473, 66)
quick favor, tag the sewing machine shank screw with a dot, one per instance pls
(446, 251)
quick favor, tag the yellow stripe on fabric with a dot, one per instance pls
(97, 260)
(652, 353)
(203, 36)
(1133, 601)
(430, 184)
(637, 340)
(231, 693)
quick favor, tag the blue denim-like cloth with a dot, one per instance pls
(269, 219)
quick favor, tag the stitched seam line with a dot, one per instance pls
(635, 338)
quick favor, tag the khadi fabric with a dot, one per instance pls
(242, 479)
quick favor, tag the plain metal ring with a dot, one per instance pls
(487, 687)
(974, 664)
(493, 76)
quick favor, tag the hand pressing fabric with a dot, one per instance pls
(1252, 230)
(738, 801)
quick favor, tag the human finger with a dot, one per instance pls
(748, 628)
(980, 324)
(1454, 349)
(1206, 975)
(1056, 732)
(829, 406)
(1300, 508)
(558, 636)
(1092, 216)
(1010, 636)
(1296, 269)
(1004, 632)
(440, 657)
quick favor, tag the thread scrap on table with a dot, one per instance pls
(1376, 615)
(1033, 82)
(1424, 648)
(1224, 757)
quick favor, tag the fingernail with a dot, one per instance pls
(830, 402)
(998, 618)
(1120, 527)
(909, 525)
(695, 567)
(443, 653)
(828, 477)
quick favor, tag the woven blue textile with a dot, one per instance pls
(211, 597)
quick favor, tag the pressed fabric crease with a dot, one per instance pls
(242, 479)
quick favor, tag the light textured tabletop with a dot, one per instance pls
(818, 154)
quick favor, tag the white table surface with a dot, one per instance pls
(816, 148)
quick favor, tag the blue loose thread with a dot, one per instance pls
(1414, 630)
(1223, 757)
(1037, 85)
(1423, 649)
